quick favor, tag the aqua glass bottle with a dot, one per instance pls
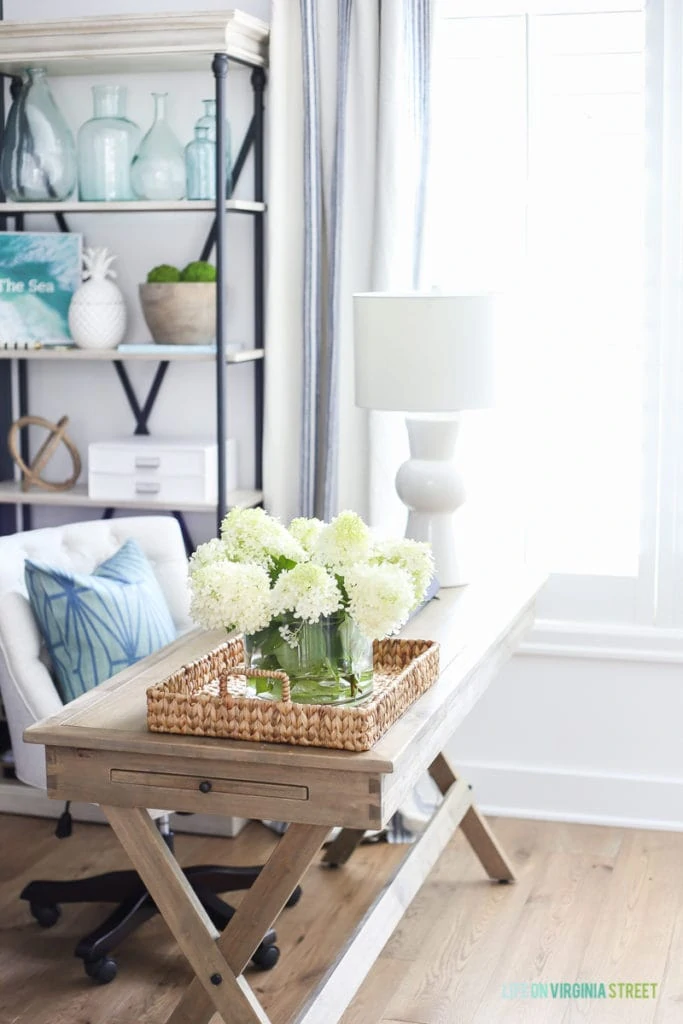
(200, 166)
(158, 169)
(106, 146)
(38, 162)
(208, 120)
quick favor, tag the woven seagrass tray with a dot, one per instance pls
(208, 698)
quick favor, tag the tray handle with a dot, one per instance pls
(255, 673)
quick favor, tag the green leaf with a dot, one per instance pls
(266, 640)
(263, 685)
(281, 564)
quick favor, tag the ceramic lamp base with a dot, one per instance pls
(431, 487)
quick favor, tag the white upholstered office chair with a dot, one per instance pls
(29, 695)
(28, 691)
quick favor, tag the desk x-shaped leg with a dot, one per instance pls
(474, 825)
(217, 960)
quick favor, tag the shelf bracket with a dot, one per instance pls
(141, 413)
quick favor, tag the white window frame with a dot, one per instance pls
(641, 616)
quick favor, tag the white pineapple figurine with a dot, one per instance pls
(97, 314)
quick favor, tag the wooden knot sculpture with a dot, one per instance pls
(30, 475)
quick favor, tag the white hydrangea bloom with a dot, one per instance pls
(250, 535)
(213, 551)
(343, 542)
(306, 532)
(412, 555)
(231, 595)
(381, 598)
(308, 591)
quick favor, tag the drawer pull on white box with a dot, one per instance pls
(147, 462)
(143, 487)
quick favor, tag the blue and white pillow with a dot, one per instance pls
(95, 625)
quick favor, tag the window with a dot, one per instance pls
(538, 189)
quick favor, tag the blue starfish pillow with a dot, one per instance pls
(95, 625)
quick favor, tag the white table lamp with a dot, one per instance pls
(430, 355)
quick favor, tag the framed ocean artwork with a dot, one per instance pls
(39, 272)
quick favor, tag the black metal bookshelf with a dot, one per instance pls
(216, 240)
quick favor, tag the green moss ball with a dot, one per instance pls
(199, 270)
(163, 274)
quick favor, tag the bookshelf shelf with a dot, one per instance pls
(134, 353)
(74, 206)
(12, 494)
(133, 42)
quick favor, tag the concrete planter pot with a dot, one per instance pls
(181, 313)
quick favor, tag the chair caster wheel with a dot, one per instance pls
(266, 957)
(294, 898)
(102, 971)
(45, 915)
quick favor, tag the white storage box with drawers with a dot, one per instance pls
(168, 471)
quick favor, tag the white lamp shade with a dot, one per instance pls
(424, 353)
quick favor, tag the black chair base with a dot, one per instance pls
(135, 906)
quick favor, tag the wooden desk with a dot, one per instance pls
(99, 750)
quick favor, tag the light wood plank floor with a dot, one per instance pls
(591, 904)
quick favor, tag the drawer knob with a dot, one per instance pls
(205, 786)
(147, 487)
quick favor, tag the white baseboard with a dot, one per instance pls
(17, 798)
(558, 794)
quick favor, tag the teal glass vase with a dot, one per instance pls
(328, 661)
(158, 168)
(38, 162)
(208, 121)
(106, 147)
(200, 166)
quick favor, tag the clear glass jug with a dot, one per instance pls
(158, 169)
(208, 121)
(38, 162)
(106, 147)
(200, 166)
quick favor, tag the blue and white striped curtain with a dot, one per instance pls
(348, 134)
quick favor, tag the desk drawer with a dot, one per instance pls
(205, 785)
(108, 487)
(131, 458)
(218, 783)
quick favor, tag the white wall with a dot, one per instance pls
(91, 394)
(579, 739)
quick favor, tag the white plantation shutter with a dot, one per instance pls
(541, 137)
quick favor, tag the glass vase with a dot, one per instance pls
(208, 121)
(328, 662)
(200, 166)
(158, 169)
(106, 146)
(38, 162)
